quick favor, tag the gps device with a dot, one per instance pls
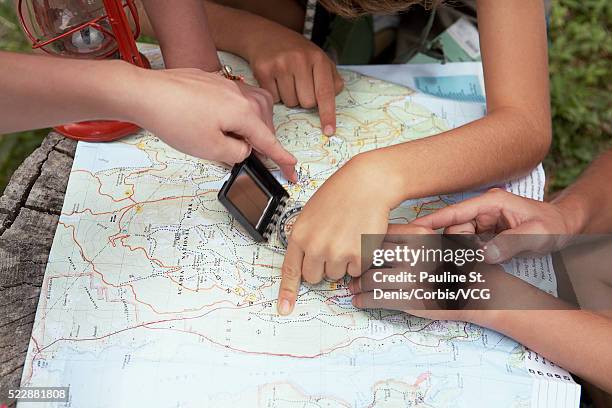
(255, 198)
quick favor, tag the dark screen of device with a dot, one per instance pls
(248, 197)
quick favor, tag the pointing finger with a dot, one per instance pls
(257, 133)
(325, 92)
(291, 279)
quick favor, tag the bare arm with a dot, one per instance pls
(556, 335)
(40, 91)
(508, 142)
(586, 203)
(288, 13)
(516, 133)
(182, 29)
(229, 25)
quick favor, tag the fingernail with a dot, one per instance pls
(492, 253)
(284, 307)
(329, 130)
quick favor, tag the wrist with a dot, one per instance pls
(491, 319)
(116, 90)
(574, 211)
(382, 172)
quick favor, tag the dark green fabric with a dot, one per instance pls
(352, 40)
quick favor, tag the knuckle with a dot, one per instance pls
(318, 56)
(243, 152)
(419, 230)
(339, 252)
(539, 228)
(289, 272)
(263, 68)
(325, 92)
(354, 270)
(298, 56)
(308, 102)
(280, 65)
(290, 101)
(353, 258)
(298, 234)
(267, 143)
(335, 273)
(312, 279)
(316, 250)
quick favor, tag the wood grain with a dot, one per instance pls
(29, 213)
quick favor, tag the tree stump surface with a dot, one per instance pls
(29, 213)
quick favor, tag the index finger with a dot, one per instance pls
(291, 279)
(257, 133)
(457, 214)
(325, 92)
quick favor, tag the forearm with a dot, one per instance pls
(515, 135)
(236, 31)
(288, 13)
(502, 146)
(40, 91)
(182, 29)
(555, 334)
(586, 203)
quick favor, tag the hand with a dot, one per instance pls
(506, 214)
(326, 239)
(207, 116)
(296, 72)
(413, 236)
(495, 290)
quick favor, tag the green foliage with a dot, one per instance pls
(581, 86)
(11, 36)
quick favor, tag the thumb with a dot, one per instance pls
(257, 133)
(524, 240)
(233, 150)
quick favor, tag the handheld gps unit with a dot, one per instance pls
(257, 201)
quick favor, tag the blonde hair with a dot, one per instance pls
(356, 8)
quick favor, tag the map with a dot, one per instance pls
(155, 297)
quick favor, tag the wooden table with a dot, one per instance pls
(29, 213)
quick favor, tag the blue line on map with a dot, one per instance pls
(464, 88)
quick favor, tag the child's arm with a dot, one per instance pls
(512, 139)
(582, 202)
(293, 69)
(582, 208)
(182, 29)
(40, 91)
(577, 340)
(191, 110)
